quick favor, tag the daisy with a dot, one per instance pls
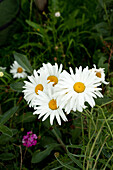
(32, 87)
(17, 70)
(100, 74)
(57, 14)
(74, 90)
(46, 105)
(51, 72)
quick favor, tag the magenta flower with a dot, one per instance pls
(30, 139)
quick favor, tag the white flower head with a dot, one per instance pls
(51, 72)
(1, 74)
(32, 87)
(2, 68)
(17, 71)
(46, 105)
(100, 74)
(57, 14)
(74, 90)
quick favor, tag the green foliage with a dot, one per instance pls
(23, 61)
(7, 115)
(5, 130)
(7, 156)
(38, 156)
(17, 86)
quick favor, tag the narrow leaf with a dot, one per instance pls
(8, 114)
(23, 61)
(66, 165)
(39, 156)
(17, 86)
(5, 130)
(76, 161)
(35, 26)
(7, 156)
(28, 117)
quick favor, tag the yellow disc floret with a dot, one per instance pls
(53, 79)
(98, 74)
(79, 87)
(19, 70)
(38, 87)
(52, 104)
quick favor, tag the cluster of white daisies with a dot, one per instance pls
(54, 92)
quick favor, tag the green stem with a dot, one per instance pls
(99, 153)
(94, 145)
(82, 130)
(59, 140)
(91, 117)
(107, 103)
(108, 161)
(82, 124)
(90, 139)
(106, 121)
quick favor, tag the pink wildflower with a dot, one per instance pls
(30, 139)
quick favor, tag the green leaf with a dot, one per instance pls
(101, 62)
(76, 146)
(8, 114)
(32, 45)
(4, 139)
(39, 156)
(47, 140)
(5, 130)
(23, 61)
(55, 131)
(7, 156)
(17, 86)
(82, 45)
(66, 165)
(28, 117)
(76, 161)
(36, 26)
(42, 33)
(103, 101)
(108, 39)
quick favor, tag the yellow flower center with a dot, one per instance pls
(79, 87)
(52, 104)
(98, 74)
(38, 87)
(19, 70)
(53, 79)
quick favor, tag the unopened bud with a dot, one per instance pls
(56, 154)
(22, 129)
(1, 74)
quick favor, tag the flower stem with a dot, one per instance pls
(59, 140)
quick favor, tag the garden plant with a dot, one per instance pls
(56, 86)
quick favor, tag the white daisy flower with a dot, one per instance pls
(32, 88)
(51, 72)
(57, 14)
(47, 106)
(17, 70)
(100, 74)
(74, 90)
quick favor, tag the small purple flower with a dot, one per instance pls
(30, 139)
